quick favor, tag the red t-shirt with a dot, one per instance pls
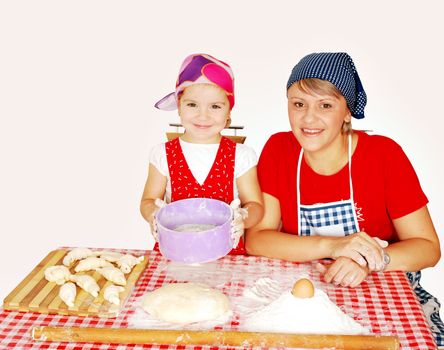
(385, 184)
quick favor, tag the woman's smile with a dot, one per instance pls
(311, 132)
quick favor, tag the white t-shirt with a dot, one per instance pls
(200, 159)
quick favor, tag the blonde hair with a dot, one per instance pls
(322, 87)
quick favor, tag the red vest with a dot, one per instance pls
(218, 184)
(219, 181)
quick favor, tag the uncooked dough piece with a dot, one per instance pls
(91, 263)
(68, 293)
(111, 294)
(113, 274)
(186, 303)
(58, 274)
(110, 256)
(77, 254)
(128, 261)
(87, 283)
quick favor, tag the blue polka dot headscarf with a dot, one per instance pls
(337, 68)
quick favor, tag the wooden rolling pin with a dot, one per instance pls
(213, 338)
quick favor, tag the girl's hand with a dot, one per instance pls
(237, 225)
(344, 272)
(362, 249)
(156, 205)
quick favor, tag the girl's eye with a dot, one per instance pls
(215, 107)
(191, 104)
(326, 105)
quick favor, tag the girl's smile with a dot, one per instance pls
(202, 126)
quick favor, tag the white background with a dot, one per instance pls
(78, 81)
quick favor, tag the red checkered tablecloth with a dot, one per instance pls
(385, 303)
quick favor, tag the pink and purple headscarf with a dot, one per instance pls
(200, 69)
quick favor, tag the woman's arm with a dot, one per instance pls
(265, 239)
(155, 187)
(250, 196)
(418, 245)
(418, 248)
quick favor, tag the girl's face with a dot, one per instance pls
(316, 120)
(204, 110)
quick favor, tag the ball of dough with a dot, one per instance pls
(186, 303)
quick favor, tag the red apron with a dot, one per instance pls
(218, 184)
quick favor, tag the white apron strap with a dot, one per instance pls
(298, 179)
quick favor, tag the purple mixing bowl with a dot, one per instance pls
(195, 247)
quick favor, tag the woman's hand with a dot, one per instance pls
(344, 272)
(361, 248)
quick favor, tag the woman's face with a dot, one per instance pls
(204, 110)
(316, 120)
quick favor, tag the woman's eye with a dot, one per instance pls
(326, 105)
(215, 107)
(191, 104)
(298, 104)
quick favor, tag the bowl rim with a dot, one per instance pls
(191, 232)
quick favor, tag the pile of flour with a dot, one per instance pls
(316, 315)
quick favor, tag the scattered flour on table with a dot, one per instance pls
(264, 290)
(194, 227)
(288, 314)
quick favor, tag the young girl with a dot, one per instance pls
(203, 163)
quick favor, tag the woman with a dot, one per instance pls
(331, 192)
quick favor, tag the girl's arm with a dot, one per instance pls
(250, 196)
(418, 245)
(155, 187)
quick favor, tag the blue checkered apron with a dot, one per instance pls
(327, 219)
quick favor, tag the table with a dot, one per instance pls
(384, 303)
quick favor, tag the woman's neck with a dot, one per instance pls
(331, 160)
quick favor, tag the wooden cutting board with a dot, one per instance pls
(36, 294)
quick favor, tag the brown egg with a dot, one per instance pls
(303, 288)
